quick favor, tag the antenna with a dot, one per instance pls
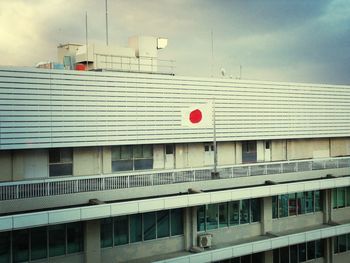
(212, 53)
(86, 40)
(106, 24)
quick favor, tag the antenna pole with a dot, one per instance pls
(212, 53)
(106, 24)
(86, 40)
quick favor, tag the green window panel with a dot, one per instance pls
(20, 246)
(163, 224)
(334, 197)
(57, 240)
(282, 206)
(75, 237)
(292, 203)
(274, 206)
(301, 203)
(212, 219)
(318, 201)
(302, 252)
(234, 212)
(5, 246)
(311, 250)
(341, 197)
(106, 232)
(309, 201)
(121, 230)
(201, 218)
(177, 227)
(223, 215)
(255, 210)
(244, 211)
(38, 243)
(149, 225)
(136, 228)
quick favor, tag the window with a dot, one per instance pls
(249, 152)
(208, 147)
(212, 216)
(253, 258)
(38, 243)
(244, 211)
(57, 240)
(342, 243)
(20, 249)
(137, 157)
(169, 149)
(5, 246)
(60, 161)
(106, 232)
(163, 223)
(234, 212)
(121, 233)
(223, 215)
(75, 241)
(135, 228)
(176, 222)
(341, 197)
(255, 210)
(149, 225)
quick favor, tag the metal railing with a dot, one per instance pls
(70, 185)
(134, 64)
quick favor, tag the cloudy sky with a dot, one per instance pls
(281, 40)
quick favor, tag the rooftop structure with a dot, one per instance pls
(115, 164)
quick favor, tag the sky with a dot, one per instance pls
(277, 40)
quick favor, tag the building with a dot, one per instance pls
(98, 166)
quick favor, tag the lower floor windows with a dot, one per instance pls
(41, 242)
(296, 204)
(341, 197)
(342, 243)
(141, 227)
(253, 258)
(215, 216)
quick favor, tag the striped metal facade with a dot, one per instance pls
(57, 108)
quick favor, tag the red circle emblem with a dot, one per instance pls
(195, 116)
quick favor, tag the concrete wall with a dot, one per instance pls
(238, 152)
(158, 156)
(106, 160)
(297, 222)
(341, 214)
(195, 149)
(6, 166)
(86, 161)
(181, 155)
(226, 153)
(260, 151)
(341, 257)
(307, 148)
(73, 258)
(144, 249)
(340, 146)
(29, 164)
(278, 150)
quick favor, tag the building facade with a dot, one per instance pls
(98, 167)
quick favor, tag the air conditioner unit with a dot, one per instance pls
(204, 240)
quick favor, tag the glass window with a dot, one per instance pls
(106, 232)
(5, 246)
(257, 257)
(60, 162)
(319, 248)
(283, 205)
(276, 255)
(212, 216)
(147, 151)
(341, 197)
(342, 243)
(116, 153)
(301, 203)
(54, 156)
(255, 210)
(234, 213)
(121, 230)
(293, 250)
(176, 222)
(126, 152)
(348, 196)
(75, 237)
(38, 243)
(310, 250)
(292, 203)
(142, 164)
(336, 246)
(201, 218)
(334, 197)
(66, 155)
(57, 240)
(136, 228)
(249, 152)
(20, 245)
(137, 151)
(274, 207)
(223, 215)
(284, 254)
(246, 259)
(149, 225)
(348, 241)
(169, 149)
(302, 252)
(244, 211)
(318, 201)
(163, 224)
(309, 201)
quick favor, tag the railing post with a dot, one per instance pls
(296, 168)
(128, 186)
(103, 183)
(17, 192)
(310, 166)
(265, 169)
(152, 183)
(194, 175)
(76, 186)
(47, 189)
(249, 170)
(281, 168)
(173, 176)
(231, 172)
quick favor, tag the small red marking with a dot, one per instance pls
(195, 116)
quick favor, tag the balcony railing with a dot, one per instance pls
(70, 185)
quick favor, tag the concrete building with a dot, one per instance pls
(99, 166)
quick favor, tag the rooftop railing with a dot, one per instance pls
(75, 184)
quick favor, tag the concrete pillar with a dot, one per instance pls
(268, 256)
(6, 166)
(328, 250)
(327, 205)
(92, 242)
(188, 227)
(238, 152)
(266, 215)
(86, 161)
(260, 151)
(107, 160)
(194, 225)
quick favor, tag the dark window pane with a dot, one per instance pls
(149, 225)
(246, 259)
(147, 151)
(292, 202)
(310, 250)
(348, 196)
(116, 153)
(212, 216)
(301, 203)
(318, 201)
(121, 230)
(5, 247)
(274, 207)
(169, 149)
(255, 210)
(234, 212)
(249, 152)
(143, 164)
(54, 156)
(309, 201)
(137, 151)
(176, 222)
(223, 215)
(136, 228)
(126, 152)
(293, 254)
(123, 165)
(61, 169)
(284, 254)
(334, 197)
(244, 211)
(201, 218)
(319, 248)
(336, 245)
(302, 252)
(75, 237)
(257, 257)
(38, 241)
(348, 241)
(276, 255)
(20, 245)
(106, 232)
(163, 224)
(341, 197)
(342, 243)
(66, 155)
(57, 240)
(235, 260)
(283, 205)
